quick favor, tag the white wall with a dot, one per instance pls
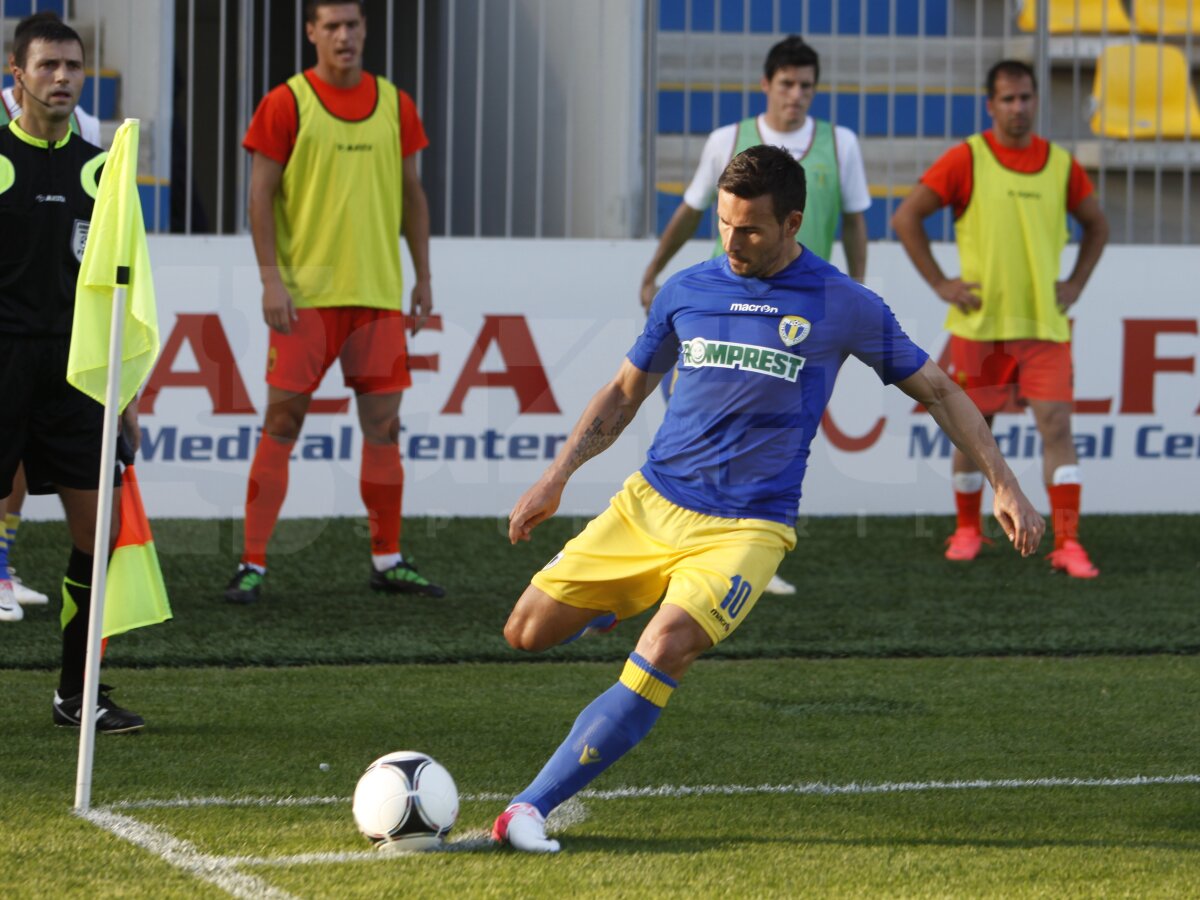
(137, 40)
(584, 142)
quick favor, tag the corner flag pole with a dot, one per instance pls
(104, 507)
(108, 458)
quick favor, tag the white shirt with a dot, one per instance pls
(89, 125)
(718, 150)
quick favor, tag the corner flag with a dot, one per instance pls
(114, 295)
(115, 255)
(136, 593)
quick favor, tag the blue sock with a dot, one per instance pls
(599, 623)
(611, 725)
(3, 552)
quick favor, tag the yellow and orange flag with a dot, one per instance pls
(136, 591)
(116, 267)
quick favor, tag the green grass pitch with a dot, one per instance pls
(901, 727)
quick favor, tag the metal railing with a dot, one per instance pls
(553, 118)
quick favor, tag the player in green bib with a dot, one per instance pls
(833, 167)
(830, 155)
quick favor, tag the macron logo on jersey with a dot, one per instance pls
(699, 353)
(752, 307)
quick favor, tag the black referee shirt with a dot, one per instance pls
(47, 191)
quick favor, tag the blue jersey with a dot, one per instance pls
(756, 361)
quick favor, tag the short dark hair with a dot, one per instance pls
(791, 51)
(311, 7)
(767, 170)
(1012, 68)
(43, 26)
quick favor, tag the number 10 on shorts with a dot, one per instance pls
(739, 593)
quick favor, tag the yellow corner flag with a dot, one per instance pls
(115, 256)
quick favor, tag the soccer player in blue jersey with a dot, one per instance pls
(759, 335)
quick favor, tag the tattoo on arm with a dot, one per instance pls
(596, 439)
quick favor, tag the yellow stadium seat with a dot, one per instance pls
(1069, 16)
(1165, 16)
(1142, 93)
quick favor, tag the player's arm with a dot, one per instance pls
(1092, 220)
(854, 242)
(266, 175)
(958, 417)
(416, 234)
(605, 417)
(908, 221)
(678, 232)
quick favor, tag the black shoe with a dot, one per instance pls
(403, 578)
(110, 718)
(245, 585)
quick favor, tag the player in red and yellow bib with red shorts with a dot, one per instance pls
(1010, 340)
(333, 183)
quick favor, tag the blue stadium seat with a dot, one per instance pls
(863, 113)
(758, 16)
(156, 204)
(19, 9)
(938, 227)
(109, 83)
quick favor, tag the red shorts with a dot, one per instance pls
(369, 343)
(1000, 375)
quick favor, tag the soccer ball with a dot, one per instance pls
(405, 801)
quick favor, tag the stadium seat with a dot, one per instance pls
(19, 9)
(1165, 16)
(1094, 16)
(952, 113)
(1142, 92)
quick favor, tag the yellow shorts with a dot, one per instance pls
(644, 548)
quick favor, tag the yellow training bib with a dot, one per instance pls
(1010, 241)
(338, 211)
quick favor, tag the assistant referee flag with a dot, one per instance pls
(115, 256)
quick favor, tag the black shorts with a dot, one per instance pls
(45, 423)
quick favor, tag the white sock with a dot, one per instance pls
(261, 570)
(384, 561)
(968, 482)
(1067, 475)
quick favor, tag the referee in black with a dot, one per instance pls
(48, 182)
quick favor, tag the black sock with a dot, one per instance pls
(78, 586)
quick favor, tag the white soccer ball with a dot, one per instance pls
(405, 801)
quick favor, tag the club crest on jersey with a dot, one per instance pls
(793, 329)
(79, 238)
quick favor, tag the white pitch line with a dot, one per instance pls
(221, 871)
(184, 855)
(194, 802)
(900, 787)
(468, 840)
(815, 787)
(302, 859)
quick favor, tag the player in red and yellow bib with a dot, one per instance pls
(1010, 336)
(333, 184)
